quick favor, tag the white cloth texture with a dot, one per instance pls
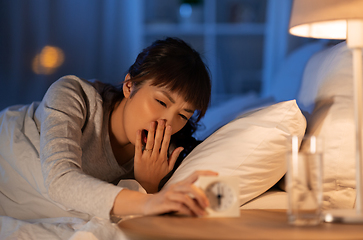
(59, 228)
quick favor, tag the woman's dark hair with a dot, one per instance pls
(173, 64)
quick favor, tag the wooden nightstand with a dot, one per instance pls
(252, 224)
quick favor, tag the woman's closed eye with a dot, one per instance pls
(164, 105)
(184, 117)
(161, 103)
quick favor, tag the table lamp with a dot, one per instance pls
(338, 19)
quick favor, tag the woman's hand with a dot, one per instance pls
(152, 163)
(183, 198)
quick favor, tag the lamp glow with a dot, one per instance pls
(328, 30)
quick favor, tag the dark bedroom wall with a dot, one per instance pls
(92, 35)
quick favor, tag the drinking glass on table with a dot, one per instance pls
(304, 180)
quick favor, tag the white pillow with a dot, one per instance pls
(327, 64)
(288, 78)
(223, 113)
(333, 120)
(253, 147)
(272, 199)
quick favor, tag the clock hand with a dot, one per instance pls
(219, 195)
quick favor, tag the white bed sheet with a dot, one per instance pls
(59, 228)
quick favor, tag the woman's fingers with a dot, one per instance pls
(138, 145)
(194, 191)
(166, 141)
(159, 135)
(174, 156)
(187, 186)
(191, 204)
(184, 210)
(180, 208)
(150, 137)
(158, 138)
(183, 197)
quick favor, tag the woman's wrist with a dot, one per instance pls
(128, 202)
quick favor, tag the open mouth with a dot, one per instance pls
(144, 134)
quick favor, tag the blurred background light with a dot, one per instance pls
(185, 10)
(48, 60)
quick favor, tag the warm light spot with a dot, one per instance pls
(49, 59)
(328, 30)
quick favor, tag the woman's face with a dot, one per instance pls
(151, 104)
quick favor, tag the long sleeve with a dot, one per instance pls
(76, 163)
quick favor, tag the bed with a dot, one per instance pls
(246, 136)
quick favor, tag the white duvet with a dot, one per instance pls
(23, 194)
(59, 228)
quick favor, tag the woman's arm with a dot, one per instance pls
(183, 197)
(67, 107)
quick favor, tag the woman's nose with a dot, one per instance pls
(165, 121)
(168, 120)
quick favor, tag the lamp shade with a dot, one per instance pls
(324, 18)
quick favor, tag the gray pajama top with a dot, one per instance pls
(73, 147)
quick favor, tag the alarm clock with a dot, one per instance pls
(222, 193)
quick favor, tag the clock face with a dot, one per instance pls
(221, 196)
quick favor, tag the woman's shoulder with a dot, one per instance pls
(80, 84)
(71, 92)
(74, 86)
(71, 81)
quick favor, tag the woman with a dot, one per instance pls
(59, 157)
